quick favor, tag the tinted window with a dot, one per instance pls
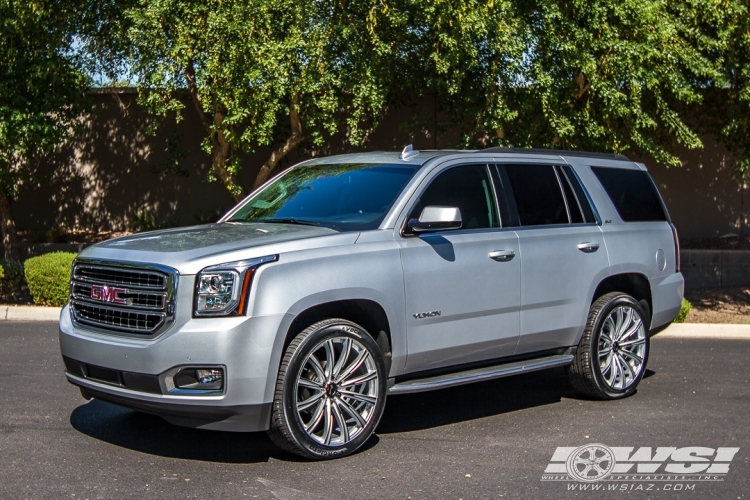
(468, 188)
(351, 197)
(538, 196)
(583, 202)
(633, 194)
(574, 208)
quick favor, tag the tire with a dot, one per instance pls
(312, 400)
(613, 351)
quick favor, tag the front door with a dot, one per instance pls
(462, 286)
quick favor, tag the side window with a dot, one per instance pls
(580, 196)
(467, 187)
(633, 193)
(536, 190)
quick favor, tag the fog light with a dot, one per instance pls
(197, 381)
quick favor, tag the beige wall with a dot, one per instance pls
(111, 169)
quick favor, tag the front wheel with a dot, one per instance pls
(331, 391)
(613, 351)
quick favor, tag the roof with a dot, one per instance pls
(423, 156)
(555, 152)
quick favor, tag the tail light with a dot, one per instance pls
(676, 248)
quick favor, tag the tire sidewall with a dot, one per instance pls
(338, 329)
(612, 304)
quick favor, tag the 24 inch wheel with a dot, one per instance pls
(331, 391)
(613, 351)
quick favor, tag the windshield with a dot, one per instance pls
(345, 197)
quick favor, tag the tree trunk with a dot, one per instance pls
(281, 151)
(221, 149)
(8, 226)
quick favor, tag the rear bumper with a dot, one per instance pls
(246, 348)
(666, 295)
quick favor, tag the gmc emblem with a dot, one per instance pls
(107, 294)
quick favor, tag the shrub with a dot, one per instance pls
(48, 277)
(684, 310)
(11, 278)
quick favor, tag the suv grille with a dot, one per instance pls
(128, 299)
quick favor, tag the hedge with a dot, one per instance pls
(48, 277)
(11, 278)
(684, 310)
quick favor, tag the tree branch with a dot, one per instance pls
(284, 149)
(193, 91)
(583, 84)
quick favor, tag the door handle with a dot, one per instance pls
(588, 247)
(502, 255)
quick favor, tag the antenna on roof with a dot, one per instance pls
(409, 152)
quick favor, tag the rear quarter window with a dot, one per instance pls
(633, 194)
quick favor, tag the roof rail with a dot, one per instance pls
(560, 152)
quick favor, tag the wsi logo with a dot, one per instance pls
(107, 294)
(597, 462)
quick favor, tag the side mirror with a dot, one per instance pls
(434, 218)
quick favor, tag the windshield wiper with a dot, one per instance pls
(291, 220)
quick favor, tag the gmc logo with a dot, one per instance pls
(107, 294)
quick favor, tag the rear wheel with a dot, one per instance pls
(613, 351)
(331, 391)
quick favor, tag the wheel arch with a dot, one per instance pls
(367, 313)
(634, 284)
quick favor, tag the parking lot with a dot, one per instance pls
(488, 440)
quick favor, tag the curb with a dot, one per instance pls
(29, 313)
(705, 331)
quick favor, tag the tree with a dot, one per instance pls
(720, 30)
(611, 76)
(41, 94)
(600, 75)
(257, 72)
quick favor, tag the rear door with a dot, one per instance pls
(462, 286)
(562, 250)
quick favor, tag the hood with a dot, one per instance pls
(189, 249)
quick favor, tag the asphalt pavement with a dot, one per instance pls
(490, 440)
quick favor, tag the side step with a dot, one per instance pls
(480, 374)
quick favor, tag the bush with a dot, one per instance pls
(48, 277)
(684, 310)
(11, 278)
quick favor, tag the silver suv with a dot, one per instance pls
(349, 278)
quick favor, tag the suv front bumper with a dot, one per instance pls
(247, 348)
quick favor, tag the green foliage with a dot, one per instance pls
(684, 310)
(720, 29)
(11, 278)
(259, 73)
(41, 91)
(600, 75)
(48, 277)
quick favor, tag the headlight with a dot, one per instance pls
(222, 290)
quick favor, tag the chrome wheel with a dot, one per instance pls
(336, 391)
(622, 347)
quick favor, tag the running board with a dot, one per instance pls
(480, 374)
